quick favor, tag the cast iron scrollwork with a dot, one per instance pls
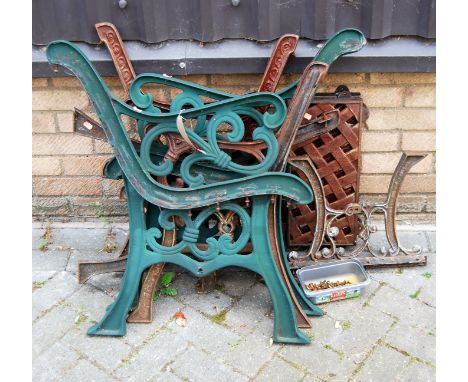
(225, 244)
(324, 246)
(212, 129)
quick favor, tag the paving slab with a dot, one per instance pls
(90, 240)
(50, 260)
(408, 239)
(148, 362)
(417, 371)
(264, 325)
(411, 280)
(37, 233)
(207, 335)
(86, 371)
(340, 309)
(90, 301)
(323, 328)
(278, 370)
(164, 310)
(428, 293)
(356, 331)
(431, 236)
(211, 303)
(384, 364)
(167, 376)
(249, 354)
(40, 277)
(58, 288)
(197, 366)
(229, 330)
(51, 327)
(252, 310)
(406, 309)
(107, 282)
(236, 282)
(184, 282)
(108, 352)
(322, 362)
(53, 362)
(418, 342)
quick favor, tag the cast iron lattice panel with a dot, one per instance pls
(336, 155)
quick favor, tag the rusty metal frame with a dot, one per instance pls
(325, 231)
(109, 35)
(143, 313)
(284, 48)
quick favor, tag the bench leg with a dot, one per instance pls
(114, 321)
(285, 324)
(274, 226)
(296, 290)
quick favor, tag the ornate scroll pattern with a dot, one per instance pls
(111, 38)
(209, 149)
(215, 127)
(284, 48)
(326, 217)
(224, 244)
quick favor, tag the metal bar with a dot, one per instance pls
(302, 320)
(405, 54)
(305, 164)
(372, 261)
(89, 269)
(143, 313)
(111, 37)
(284, 48)
(303, 95)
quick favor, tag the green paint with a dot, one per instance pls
(427, 275)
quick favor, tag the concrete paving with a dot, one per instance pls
(387, 334)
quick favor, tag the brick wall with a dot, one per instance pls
(67, 183)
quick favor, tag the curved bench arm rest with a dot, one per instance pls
(343, 42)
(109, 110)
(229, 188)
(270, 183)
(143, 103)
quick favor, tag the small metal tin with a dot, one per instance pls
(351, 270)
